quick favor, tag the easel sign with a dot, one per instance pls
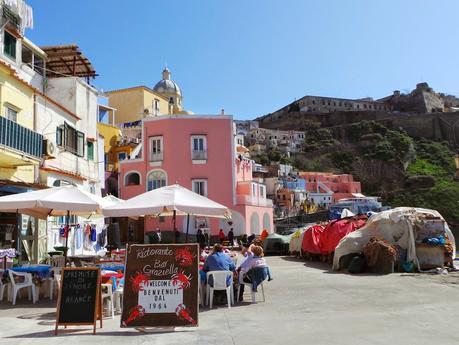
(79, 300)
(161, 285)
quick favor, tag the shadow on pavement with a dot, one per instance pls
(99, 332)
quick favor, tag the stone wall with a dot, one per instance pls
(443, 126)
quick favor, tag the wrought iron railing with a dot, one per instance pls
(199, 154)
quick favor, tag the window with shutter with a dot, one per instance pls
(90, 150)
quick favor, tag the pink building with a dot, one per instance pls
(199, 153)
(342, 186)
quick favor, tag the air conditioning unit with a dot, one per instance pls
(49, 148)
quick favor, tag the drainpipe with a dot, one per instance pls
(36, 172)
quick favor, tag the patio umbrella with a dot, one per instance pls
(170, 200)
(56, 201)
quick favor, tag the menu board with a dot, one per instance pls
(79, 300)
(161, 285)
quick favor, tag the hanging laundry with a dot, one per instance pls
(78, 236)
(93, 234)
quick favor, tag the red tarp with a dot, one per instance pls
(336, 230)
(311, 239)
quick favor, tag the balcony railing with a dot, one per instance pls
(20, 138)
(253, 201)
(156, 157)
(199, 155)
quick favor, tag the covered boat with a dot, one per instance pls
(276, 244)
(336, 230)
(311, 239)
(404, 227)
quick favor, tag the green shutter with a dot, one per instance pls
(90, 151)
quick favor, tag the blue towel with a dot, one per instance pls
(258, 275)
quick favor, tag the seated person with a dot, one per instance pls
(253, 269)
(218, 261)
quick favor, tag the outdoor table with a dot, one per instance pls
(111, 278)
(5, 254)
(111, 266)
(107, 276)
(41, 271)
(78, 259)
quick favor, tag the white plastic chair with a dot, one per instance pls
(220, 283)
(27, 283)
(107, 294)
(119, 296)
(201, 292)
(3, 286)
(54, 281)
(241, 281)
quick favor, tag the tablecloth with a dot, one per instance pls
(113, 267)
(43, 271)
(8, 252)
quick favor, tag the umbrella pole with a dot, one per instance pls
(18, 237)
(175, 228)
(67, 239)
(187, 227)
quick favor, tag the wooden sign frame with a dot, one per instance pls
(97, 309)
(161, 276)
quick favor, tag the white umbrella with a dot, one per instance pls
(170, 200)
(110, 200)
(167, 201)
(56, 201)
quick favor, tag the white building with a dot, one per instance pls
(65, 109)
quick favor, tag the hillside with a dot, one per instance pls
(404, 170)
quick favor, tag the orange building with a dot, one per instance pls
(342, 185)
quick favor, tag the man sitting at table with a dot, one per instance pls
(218, 261)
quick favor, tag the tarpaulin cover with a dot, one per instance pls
(396, 226)
(276, 243)
(295, 241)
(311, 239)
(336, 230)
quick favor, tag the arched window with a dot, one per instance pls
(266, 222)
(255, 224)
(156, 179)
(132, 179)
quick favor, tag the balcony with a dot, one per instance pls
(156, 157)
(252, 201)
(21, 141)
(259, 168)
(199, 155)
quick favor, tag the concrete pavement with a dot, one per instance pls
(306, 303)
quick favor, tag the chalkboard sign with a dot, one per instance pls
(79, 300)
(161, 285)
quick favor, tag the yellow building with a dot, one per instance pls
(137, 102)
(20, 145)
(116, 149)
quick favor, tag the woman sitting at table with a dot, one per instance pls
(253, 269)
(218, 260)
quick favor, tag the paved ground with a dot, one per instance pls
(305, 304)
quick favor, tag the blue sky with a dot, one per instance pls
(252, 57)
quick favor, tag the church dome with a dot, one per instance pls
(166, 86)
